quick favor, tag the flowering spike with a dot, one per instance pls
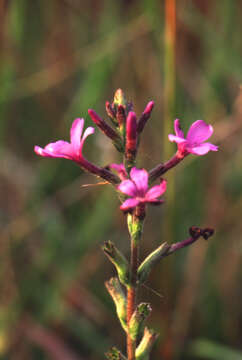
(137, 320)
(145, 116)
(151, 260)
(194, 142)
(119, 261)
(115, 290)
(146, 344)
(134, 193)
(131, 137)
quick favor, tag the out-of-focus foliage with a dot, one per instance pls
(57, 59)
(206, 349)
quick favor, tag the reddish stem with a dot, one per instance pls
(101, 172)
(161, 169)
(196, 233)
(131, 297)
(130, 309)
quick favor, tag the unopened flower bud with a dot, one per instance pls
(106, 129)
(121, 118)
(115, 354)
(119, 261)
(207, 233)
(131, 136)
(110, 110)
(145, 116)
(151, 260)
(137, 320)
(119, 98)
(135, 227)
(145, 346)
(115, 290)
(195, 231)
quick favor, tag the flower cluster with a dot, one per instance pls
(134, 181)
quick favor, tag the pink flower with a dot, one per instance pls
(64, 149)
(194, 142)
(137, 189)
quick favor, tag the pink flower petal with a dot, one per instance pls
(140, 178)
(128, 187)
(90, 130)
(40, 151)
(202, 149)
(178, 130)
(156, 191)
(57, 149)
(76, 133)
(129, 204)
(199, 132)
(120, 168)
(212, 146)
(177, 139)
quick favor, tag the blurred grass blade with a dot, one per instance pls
(207, 349)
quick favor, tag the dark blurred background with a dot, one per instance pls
(57, 59)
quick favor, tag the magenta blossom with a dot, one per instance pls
(194, 142)
(64, 149)
(137, 189)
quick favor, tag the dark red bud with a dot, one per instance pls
(121, 116)
(131, 135)
(194, 231)
(103, 126)
(110, 110)
(145, 116)
(207, 233)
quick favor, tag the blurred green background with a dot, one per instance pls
(57, 59)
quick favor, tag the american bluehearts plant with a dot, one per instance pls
(135, 191)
